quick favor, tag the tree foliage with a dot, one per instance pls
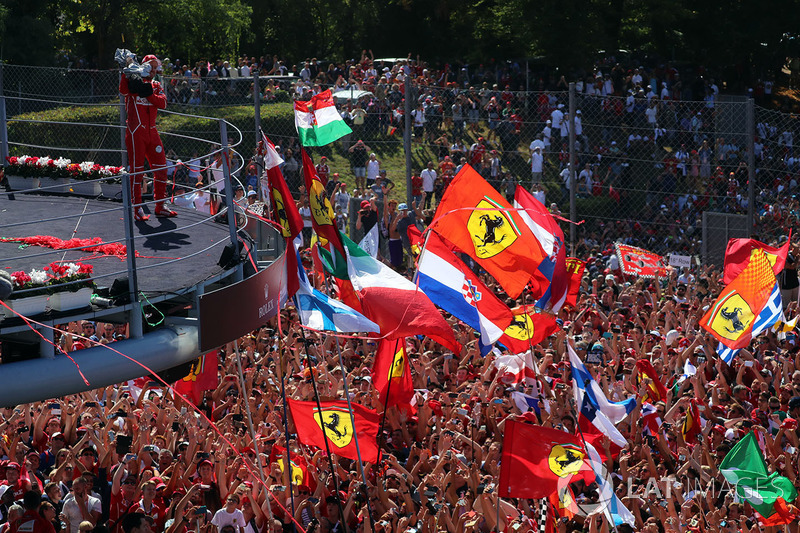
(568, 32)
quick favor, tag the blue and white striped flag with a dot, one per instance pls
(319, 312)
(765, 320)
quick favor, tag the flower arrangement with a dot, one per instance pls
(28, 166)
(56, 277)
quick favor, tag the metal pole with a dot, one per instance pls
(130, 251)
(572, 207)
(407, 133)
(226, 173)
(3, 123)
(750, 131)
(123, 128)
(260, 168)
(251, 428)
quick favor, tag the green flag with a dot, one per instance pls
(745, 468)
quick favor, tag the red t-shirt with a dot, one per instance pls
(416, 186)
(155, 512)
(118, 507)
(31, 522)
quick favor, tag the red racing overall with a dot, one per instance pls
(143, 142)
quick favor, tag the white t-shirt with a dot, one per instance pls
(428, 177)
(536, 161)
(223, 518)
(305, 213)
(373, 168)
(202, 202)
(73, 513)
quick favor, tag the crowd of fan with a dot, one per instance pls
(105, 455)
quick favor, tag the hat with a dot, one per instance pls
(13, 465)
(671, 336)
(323, 157)
(610, 277)
(597, 347)
(364, 204)
(252, 193)
(57, 435)
(402, 207)
(205, 462)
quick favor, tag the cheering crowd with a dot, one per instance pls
(97, 460)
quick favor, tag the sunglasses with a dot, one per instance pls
(304, 493)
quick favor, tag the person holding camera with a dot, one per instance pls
(367, 216)
(143, 98)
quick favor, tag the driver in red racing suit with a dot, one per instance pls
(143, 141)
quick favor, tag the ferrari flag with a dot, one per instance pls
(731, 317)
(333, 421)
(480, 222)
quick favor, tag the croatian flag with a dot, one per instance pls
(551, 238)
(451, 285)
(319, 312)
(593, 404)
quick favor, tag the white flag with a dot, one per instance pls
(370, 242)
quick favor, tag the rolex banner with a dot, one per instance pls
(480, 222)
(334, 420)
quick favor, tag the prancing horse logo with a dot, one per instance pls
(491, 229)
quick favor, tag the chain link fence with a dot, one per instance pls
(646, 166)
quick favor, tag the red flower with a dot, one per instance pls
(13, 160)
(85, 269)
(20, 278)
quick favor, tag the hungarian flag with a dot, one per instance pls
(284, 210)
(538, 461)
(575, 269)
(639, 262)
(551, 239)
(740, 251)
(299, 466)
(691, 423)
(202, 377)
(334, 419)
(656, 391)
(527, 329)
(480, 222)
(730, 320)
(393, 302)
(391, 365)
(744, 468)
(317, 121)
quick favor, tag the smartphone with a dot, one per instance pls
(201, 510)
(313, 500)
(497, 400)
(176, 426)
(90, 404)
(183, 411)
(202, 455)
(748, 363)
(462, 412)
(279, 488)
(130, 457)
(238, 417)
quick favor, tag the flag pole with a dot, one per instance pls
(580, 432)
(350, 411)
(324, 430)
(286, 427)
(250, 426)
(386, 402)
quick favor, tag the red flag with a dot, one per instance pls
(656, 391)
(339, 429)
(391, 364)
(202, 377)
(730, 320)
(284, 210)
(739, 252)
(638, 262)
(575, 269)
(299, 466)
(480, 222)
(691, 423)
(415, 237)
(785, 514)
(527, 329)
(537, 461)
(322, 215)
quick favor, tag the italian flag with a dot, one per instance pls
(317, 121)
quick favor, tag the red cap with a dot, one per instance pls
(248, 449)
(13, 465)
(530, 417)
(205, 462)
(364, 203)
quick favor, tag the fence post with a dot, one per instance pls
(226, 173)
(260, 168)
(3, 122)
(407, 133)
(572, 182)
(750, 129)
(123, 128)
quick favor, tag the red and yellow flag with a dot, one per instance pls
(202, 377)
(575, 269)
(391, 365)
(656, 391)
(480, 222)
(730, 319)
(334, 420)
(739, 252)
